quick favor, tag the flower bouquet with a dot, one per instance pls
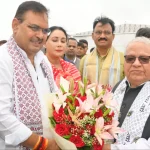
(85, 117)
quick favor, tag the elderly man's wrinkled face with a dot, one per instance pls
(137, 64)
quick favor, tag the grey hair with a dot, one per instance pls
(141, 39)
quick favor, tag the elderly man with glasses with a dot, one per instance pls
(25, 77)
(104, 64)
(133, 96)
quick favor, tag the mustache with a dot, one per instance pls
(101, 39)
(40, 40)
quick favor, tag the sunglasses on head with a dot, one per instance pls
(142, 59)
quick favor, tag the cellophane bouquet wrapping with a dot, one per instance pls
(82, 119)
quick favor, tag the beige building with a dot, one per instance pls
(123, 34)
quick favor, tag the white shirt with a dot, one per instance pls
(12, 131)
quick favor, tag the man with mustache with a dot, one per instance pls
(25, 77)
(133, 97)
(104, 64)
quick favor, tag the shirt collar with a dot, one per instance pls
(72, 61)
(75, 60)
(129, 85)
(37, 59)
(103, 56)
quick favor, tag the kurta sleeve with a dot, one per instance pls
(12, 131)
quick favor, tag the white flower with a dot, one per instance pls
(60, 100)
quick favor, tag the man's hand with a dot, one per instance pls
(106, 147)
(52, 145)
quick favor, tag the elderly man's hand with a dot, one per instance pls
(106, 147)
(52, 145)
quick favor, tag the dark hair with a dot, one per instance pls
(2, 42)
(143, 32)
(92, 49)
(34, 6)
(72, 39)
(53, 28)
(103, 21)
(84, 41)
(81, 44)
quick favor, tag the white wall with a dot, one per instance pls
(121, 40)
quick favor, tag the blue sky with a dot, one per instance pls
(78, 15)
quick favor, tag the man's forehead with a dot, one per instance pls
(35, 17)
(99, 24)
(72, 42)
(136, 45)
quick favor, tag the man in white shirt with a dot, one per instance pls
(133, 96)
(25, 77)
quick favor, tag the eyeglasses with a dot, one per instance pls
(104, 32)
(142, 59)
(36, 28)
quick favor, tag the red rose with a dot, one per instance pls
(83, 98)
(97, 146)
(92, 130)
(58, 116)
(84, 114)
(76, 103)
(62, 129)
(98, 114)
(112, 114)
(61, 110)
(77, 140)
(76, 130)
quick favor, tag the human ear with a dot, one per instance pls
(15, 24)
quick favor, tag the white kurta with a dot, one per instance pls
(12, 131)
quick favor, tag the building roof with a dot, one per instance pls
(120, 29)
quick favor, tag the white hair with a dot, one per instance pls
(141, 39)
